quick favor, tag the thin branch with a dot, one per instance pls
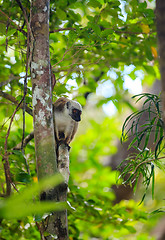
(26, 140)
(12, 48)
(74, 69)
(7, 103)
(13, 100)
(116, 31)
(6, 165)
(9, 181)
(41, 229)
(9, 80)
(12, 117)
(80, 48)
(147, 161)
(25, 16)
(29, 35)
(62, 29)
(129, 33)
(17, 27)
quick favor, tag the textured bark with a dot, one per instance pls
(42, 94)
(63, 167)
(55, 225)
(160, 21)
(63, 162)
(60, 218)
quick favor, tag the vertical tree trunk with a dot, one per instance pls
(42, 93)
(59, 220)
(160, 20)
(56, 223)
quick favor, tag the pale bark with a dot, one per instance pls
(56, 223)
(42, 94)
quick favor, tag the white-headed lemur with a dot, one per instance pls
(67, 114)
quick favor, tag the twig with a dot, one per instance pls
(7, 103)
(13, 100)
(75, 68)
(80, 48)
(8, 81)
(7, 174)
(5, 158)
(26, 19)
(147, 161)
(116, 31)
(29, 34)
(12, 117)
(41, 229)
(18, 28)
(62, 29)
(16, 50)
(26, 140)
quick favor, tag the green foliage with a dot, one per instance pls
(24, 205)
(154, 122)
(91, 194)
(20, 211)
(102, 218)
(143, 162)
(19, 229)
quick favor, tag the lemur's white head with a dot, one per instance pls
(74, 109)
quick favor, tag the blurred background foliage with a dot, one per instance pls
(102, 52)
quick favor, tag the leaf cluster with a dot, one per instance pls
(101, 216)
(139, 133)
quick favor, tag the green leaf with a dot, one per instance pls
(10, 32)
(157, 148)
(150, 70)
(94, 4)
(147, 138)
(75, 16)
(23, 177)
(153, 179)
(61, 14)
(107, 32)
(132, 143)
(142, 6)
(19, 206)
(2, 29)
(23, 209)
(131, 229)
(96, 28)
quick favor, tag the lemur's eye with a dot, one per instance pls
(74, 110)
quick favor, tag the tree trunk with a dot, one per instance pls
(160, 21)
(56, 223)
(42, 94)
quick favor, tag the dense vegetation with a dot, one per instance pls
(98, 49)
